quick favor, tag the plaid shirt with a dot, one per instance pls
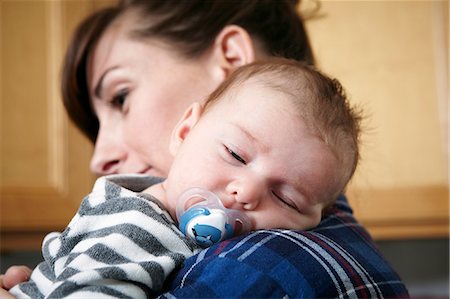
(338, 259)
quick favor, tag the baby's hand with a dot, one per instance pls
(14, 275)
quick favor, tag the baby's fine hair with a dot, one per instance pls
(320, 100)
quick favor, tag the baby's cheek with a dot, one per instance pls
(276, 219)
(313, 218)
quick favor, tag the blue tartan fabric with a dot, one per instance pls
(338, 259)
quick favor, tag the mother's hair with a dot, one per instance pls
(190, 27)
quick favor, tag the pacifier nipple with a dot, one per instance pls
(203, 218)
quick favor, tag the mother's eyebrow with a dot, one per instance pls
(98, 90)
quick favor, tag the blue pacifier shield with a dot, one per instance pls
(203, 218)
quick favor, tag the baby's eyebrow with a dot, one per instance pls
(257, 142)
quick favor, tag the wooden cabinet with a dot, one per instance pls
(43, 159)
(391, 57)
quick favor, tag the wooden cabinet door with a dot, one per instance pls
(392, 58)
(44, 160)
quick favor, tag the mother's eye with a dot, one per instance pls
(236, 156)
(118, 100)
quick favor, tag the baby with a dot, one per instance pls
(273, 146)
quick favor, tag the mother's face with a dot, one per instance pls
(139, 90)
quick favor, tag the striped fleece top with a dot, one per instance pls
(121, 243)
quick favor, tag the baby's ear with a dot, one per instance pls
(184, 126)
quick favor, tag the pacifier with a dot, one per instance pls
(203, 218)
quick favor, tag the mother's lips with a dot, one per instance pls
(145, 170)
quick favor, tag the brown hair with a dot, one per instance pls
(190, 27)
(319, 99)
(74, 85)
(193, 25)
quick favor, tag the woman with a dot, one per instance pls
(128, 75)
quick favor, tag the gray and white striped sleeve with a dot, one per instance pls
(119, 244)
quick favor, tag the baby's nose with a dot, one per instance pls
(245, 195)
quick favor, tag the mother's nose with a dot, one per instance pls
(108, 155)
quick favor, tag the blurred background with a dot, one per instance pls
(391, 56)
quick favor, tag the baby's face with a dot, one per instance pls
(256, 154)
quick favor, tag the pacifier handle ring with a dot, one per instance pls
(206, 220)
(207, 196)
